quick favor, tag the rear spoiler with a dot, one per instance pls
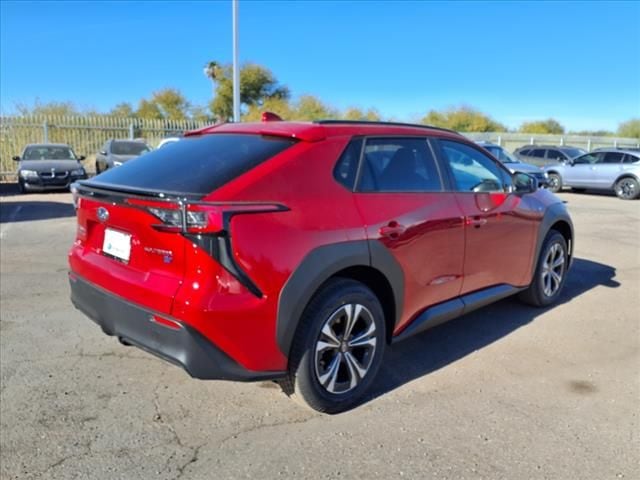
(307, 132)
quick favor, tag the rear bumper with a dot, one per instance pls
(183, 346)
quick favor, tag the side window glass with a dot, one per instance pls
(347, 167)
(539, 153)
(613, 157)
(399, 165)
(630, 159)
(472, 170)
(555, 155)
(525, 152)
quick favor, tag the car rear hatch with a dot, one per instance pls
(138, 225)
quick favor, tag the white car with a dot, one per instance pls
(167, 141)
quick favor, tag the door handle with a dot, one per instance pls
(392, 230)
(476, 222)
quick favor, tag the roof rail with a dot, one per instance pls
(370, 122)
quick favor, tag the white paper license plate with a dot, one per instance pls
(117, 244)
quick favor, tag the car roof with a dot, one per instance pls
(556, 147)
(484, 143)
(321, 129)
(635, 153)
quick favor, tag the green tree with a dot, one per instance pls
(123, 109)
(630, 128)
(172, 104)
(542, 126)
(463, 119)
(148, 110)
(257, 84)
(279, 106)
(200, 114)
(354, 113)
(48, 108)
(309, 107)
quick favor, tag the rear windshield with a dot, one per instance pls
(194, 165)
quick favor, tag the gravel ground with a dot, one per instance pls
(505, 392)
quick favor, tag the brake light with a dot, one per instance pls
(199, 218)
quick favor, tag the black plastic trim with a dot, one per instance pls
(184, 346)
(554, 213)
(318, 266)
(454, 308)
(219, 245)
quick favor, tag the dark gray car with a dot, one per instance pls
(542, 155)
(116, 152)
(48, 166)
(513, 164)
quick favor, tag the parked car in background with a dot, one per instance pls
(613, 169)
(116, 152)
(297, 251)
(167, 141)
(542, 155)
(513, 164)
(48, 166)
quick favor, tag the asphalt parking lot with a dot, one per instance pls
(506, 392)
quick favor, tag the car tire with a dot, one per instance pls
(21, 188)
(627, 188)
(554, 183)
(338, 347)
(98, 171)
(550, 273)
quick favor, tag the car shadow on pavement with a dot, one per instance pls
(437, 348)
(12, 212)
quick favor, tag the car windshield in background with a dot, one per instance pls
(48, 153)
(502, 155)
(574, 152)
(129, 148)
(195, 165)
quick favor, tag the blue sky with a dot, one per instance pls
(578, 62)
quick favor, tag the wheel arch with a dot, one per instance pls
(556, 218)
(365, 261)
(625, 175)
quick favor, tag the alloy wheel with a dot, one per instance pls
(626, 188)
(553, 268)
(345, 348)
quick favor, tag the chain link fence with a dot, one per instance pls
(86, 134)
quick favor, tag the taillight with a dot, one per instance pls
(197, 218)
(206, 224)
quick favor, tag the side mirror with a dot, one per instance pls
(81, 157)
(524, 183)
(103, 152)
(16, 159)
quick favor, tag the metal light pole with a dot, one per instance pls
(236, 67)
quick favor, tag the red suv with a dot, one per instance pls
(298, 251)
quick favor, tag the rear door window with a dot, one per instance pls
(555, 155)
(399, 165)
(538, 152)
(195, 165)
(613, 157)
(628, 158)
